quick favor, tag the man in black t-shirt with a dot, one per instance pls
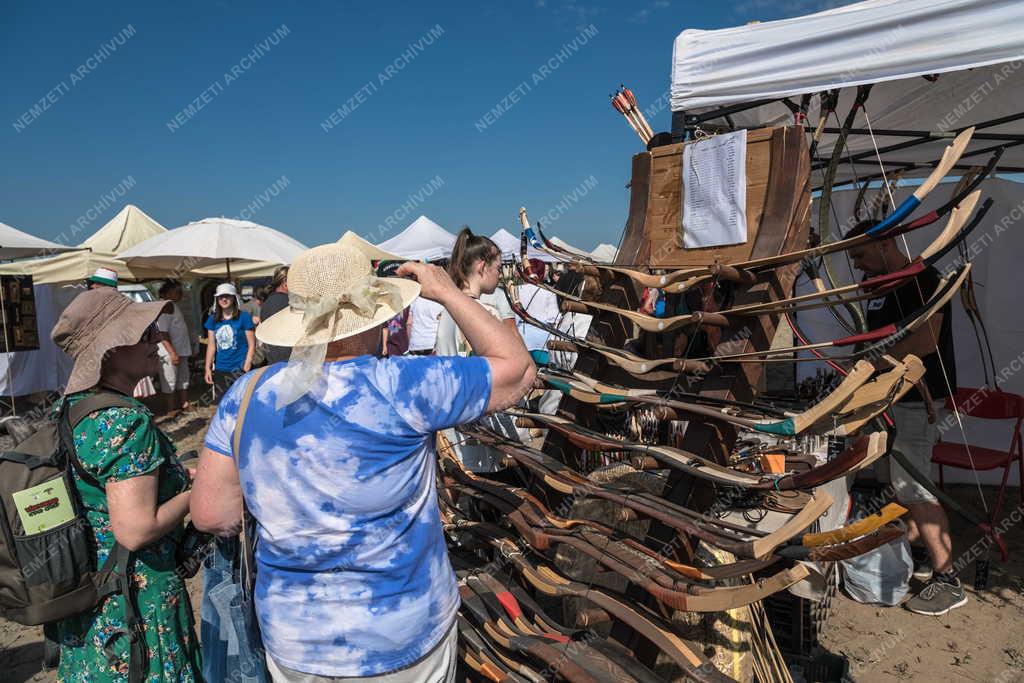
(915, 433)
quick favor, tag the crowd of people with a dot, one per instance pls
(327, 448)
(317, 473)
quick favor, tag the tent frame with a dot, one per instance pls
(684, 125)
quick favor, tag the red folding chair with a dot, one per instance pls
(985, 404)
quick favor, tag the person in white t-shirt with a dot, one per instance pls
(423, 317)
(175, 350)
(542, 305)
(475, 268)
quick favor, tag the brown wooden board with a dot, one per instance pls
(656, 202)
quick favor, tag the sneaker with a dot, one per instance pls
(938, 597)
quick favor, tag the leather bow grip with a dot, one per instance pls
(562, 345)
(570, 306)
(731, 274)
(712, 319)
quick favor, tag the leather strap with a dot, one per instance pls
(247, 577)
(243, 408)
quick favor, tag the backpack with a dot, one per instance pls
(48, 559)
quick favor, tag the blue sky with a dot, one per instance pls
(288, 112)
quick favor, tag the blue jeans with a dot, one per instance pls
(232, 651)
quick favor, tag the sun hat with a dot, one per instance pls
(104, 276)
(96, 322)
(226, 289)
(333, 294)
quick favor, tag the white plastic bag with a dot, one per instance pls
(881, 576)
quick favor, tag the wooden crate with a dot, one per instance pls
(778, 174)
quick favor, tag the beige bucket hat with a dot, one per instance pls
(95, 323)
(333, 294)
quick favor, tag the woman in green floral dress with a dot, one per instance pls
(143, 501)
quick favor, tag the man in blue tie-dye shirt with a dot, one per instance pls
(353, 578)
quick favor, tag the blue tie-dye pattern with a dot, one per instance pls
(353, 577)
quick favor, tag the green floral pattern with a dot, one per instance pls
(113, 445)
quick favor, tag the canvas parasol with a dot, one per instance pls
(213, 242)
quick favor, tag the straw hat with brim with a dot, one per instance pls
(333, 294)
(96, 322)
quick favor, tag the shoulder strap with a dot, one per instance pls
(243, 408)
(99, 401)
(247, 551)
(70, 416)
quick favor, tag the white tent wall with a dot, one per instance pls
(48, 368)
(995, 248)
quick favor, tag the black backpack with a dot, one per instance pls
(48, 559)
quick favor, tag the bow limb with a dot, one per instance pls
(551, 583)
(970, 304)
(825, 198)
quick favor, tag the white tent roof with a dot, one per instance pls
(974, 46)
(17, 244)
(568, 247)
(507, 242)
(423, 240)
(129, 227)
(605, 253)
(510, 247)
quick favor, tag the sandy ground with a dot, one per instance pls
(982, 641)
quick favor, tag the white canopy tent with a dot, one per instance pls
(568, 247)
(605, 253)
(422, 240)
(17, 244)
(939, 66)
(129, 227)
(57, 281)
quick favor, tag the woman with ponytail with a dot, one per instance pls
(475, 267)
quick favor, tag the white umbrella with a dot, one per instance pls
(17, 244)
(213, 241)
